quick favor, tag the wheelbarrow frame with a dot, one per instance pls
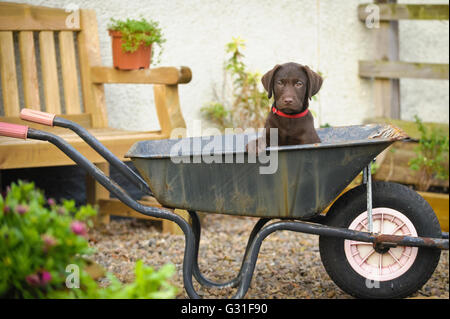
(193, 232)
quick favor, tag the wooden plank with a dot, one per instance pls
(89, 56)
(439, 203)
(96, 192)
(117, 208)
(161, 75)
(397, 69)
(394, 166)
(69, 72)
(49, 72)
(24, 17)
(82, 119)
(16, 153)
(393, 12)
(8, 74)
(167, 103)
(29, 70)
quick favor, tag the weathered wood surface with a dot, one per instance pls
(160, 75)
(395, 70)
(393, 12)
(15, 16)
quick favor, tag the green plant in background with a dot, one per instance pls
(432, 156)
(249, 105)
(137, 32)
(39, 239)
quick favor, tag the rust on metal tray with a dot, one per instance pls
(390, 132)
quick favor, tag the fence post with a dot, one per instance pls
(386, 91)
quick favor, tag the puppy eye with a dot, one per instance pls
(299, 84)
(279, 82)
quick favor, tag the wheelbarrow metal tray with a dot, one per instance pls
(307, 179)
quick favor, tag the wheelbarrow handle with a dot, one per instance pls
(39, 117)
(53, 120)
(13, 130)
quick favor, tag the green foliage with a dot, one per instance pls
(249, 105)
(432, 156)
(39, 239)
(148, 284)
(137, 32)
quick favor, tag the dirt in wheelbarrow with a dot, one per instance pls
(288, 266)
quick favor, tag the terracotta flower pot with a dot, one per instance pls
(140, 59)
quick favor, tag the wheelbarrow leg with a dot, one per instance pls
(196, 227)
(367, 179)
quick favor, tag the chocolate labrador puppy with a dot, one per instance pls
(292, 86)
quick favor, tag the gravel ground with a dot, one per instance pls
(288, 266)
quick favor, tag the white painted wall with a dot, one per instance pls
(326, 35)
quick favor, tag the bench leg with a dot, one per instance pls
(96, 192)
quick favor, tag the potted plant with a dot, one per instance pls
(132, 42)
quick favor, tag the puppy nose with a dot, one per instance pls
(288, 100)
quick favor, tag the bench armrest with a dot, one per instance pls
(160, 75)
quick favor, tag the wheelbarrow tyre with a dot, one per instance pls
(347, 209)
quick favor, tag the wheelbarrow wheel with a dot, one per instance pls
(367, 271)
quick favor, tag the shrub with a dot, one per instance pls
(432, 156)
(39, 239)
(249, 105)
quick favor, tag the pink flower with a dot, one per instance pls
(51, 202)
(6, 209)
(45, 277)
(33, 280)
(41, 278)
(21, 209)
(49, 242)
(79, 228)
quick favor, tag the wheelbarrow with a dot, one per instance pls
(378, 240)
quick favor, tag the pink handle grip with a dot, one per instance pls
(13, 130)
(37, 116)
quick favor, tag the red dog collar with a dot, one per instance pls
(290, 116)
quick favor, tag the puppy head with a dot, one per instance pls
(292, 85)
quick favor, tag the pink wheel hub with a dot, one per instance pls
(393, 263)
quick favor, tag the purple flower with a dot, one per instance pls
(51, 202)
(21, 209)
(79, 228)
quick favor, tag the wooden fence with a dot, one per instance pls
(387, 70)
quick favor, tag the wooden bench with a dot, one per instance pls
(77, 61)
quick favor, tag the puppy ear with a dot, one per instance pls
(267, 80)
(314, 81)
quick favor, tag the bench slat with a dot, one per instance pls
(29, 71)
(15, 16)
(69, 72)
(8, 74)
(49, 72)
